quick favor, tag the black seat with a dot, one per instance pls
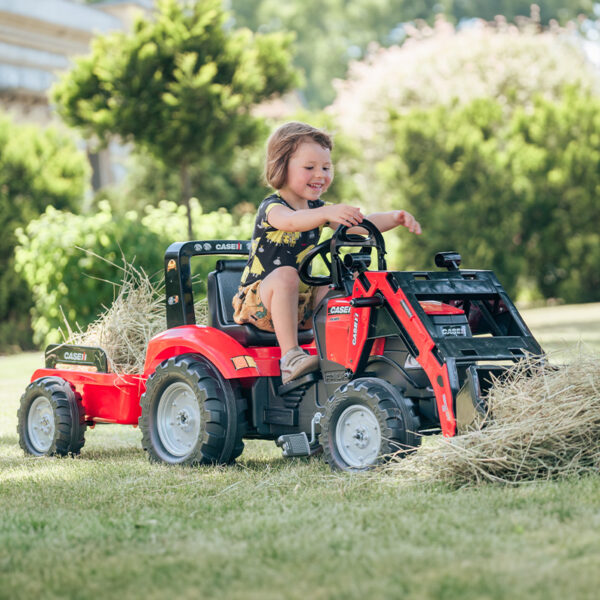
(222, 285)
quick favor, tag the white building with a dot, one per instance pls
(38, 39)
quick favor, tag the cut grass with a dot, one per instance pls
(110, 524)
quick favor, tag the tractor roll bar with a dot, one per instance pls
(178, 274)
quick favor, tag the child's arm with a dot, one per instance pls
(286, 219)
(388, 220)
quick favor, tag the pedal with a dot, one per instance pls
(294, 444)
(305, 380)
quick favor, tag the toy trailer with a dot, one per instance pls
(402, 355)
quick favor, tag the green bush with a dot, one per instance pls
(71, 262)
(518, 196)
(38, 168)
(55, 258)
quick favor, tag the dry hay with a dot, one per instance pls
(545, 425)
(137, 314)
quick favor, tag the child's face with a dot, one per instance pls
(309, 173)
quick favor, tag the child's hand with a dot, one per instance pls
(401, 217)
(343, 214)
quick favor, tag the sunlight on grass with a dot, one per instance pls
(563, 329)
(111, 524)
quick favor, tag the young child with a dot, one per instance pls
(288, 224)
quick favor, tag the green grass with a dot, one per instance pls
(111, 525)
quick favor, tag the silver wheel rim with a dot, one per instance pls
(358, 436)
(40, 424)
(178, 419)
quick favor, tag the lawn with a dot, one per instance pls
(111, 525)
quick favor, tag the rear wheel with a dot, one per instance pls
(191, 415)
(365, 421)
(51, 418)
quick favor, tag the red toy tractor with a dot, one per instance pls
(402, 354)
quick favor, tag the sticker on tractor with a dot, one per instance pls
(171, 265)
(74, 356)
(237, 246)
(339, 310)
(243, 362)
(454, 330)
(355, 329)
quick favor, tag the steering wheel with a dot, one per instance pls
(339, 269)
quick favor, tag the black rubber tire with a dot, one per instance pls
(395, 415)
(222, 413)
(66, 411)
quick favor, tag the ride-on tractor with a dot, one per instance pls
(402, 354)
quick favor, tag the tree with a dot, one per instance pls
(38, 168)
(555, 167)
(333, 33)
(445, 66)
(449, 168)
(516, 195)
(181, 86)
(72, 283)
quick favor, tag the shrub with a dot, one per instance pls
(72, 262)
(67, 259)
(38, 168)
(517, 196)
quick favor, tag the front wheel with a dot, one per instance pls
(51, 418)
(365, 421)
(191, 415)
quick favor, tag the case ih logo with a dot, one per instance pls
(74, 355)
(355, 330)
(339, 310)
(237, 246)
(454, 330)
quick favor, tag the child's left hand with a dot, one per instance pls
(401, 217)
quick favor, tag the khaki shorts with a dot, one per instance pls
(248, 308)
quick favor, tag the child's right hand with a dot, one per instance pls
(342, 214)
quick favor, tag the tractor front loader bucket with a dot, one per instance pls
(471, 401)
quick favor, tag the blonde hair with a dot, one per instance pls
(283, 143)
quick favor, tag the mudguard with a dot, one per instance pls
(226, 354)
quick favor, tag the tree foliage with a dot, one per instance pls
(331, 33)
(490, 136)
(38, 168)
(443, 65)
(519, 197)
(71, 262)
(181, 86)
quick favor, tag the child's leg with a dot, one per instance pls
(279, 293)
(319, 293)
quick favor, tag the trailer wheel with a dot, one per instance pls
(51, 419)
(365, 421)
(191, 415)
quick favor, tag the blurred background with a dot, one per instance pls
(127, 125)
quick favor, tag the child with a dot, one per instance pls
(288, 224)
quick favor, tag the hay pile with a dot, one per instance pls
(137, 314)
(543, 426)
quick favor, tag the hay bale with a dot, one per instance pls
(542, 425)
(136, 315)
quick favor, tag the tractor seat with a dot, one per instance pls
(222, 285)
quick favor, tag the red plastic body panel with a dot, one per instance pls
(219, 348)
(107, 397)
(337, 329)
(433, 307)
(436, 372)
(233, 360)
(267, 358)
(347, 329)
